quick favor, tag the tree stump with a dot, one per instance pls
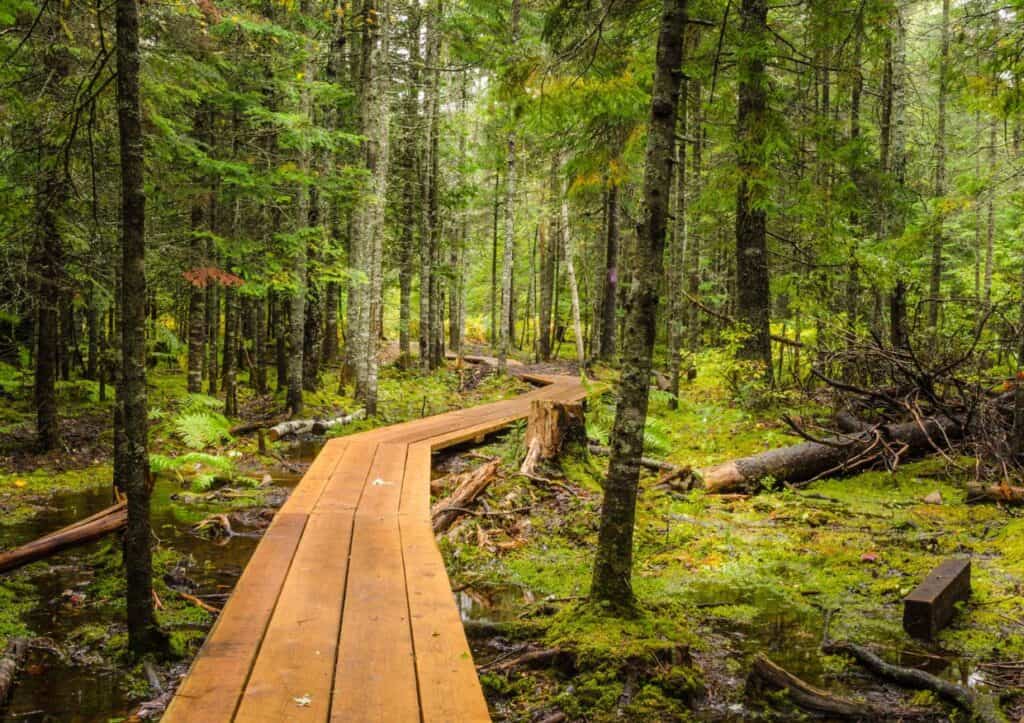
(550, 425)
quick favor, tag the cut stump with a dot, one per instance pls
(550, 425)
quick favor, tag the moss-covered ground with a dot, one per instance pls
(725, 578)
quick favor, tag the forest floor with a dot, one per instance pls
(719, 579)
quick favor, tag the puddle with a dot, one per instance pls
(52, 688)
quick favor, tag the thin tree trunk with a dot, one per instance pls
(935, 280)
(609, 295)
(507, 319)
(676, 277)
(330, 347)
(612, 580)
(570, 274)
(143, 633)
(752, 291)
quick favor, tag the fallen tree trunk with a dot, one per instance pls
(766, 674)
(91, 528)
(1003, 494)
(834, 455)
(470, 485)
(255, 426)
(981, 707)
(10, 663)
(313, 426)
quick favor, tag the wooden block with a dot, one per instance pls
(930, 607)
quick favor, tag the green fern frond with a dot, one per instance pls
(199, 430)
(203, 482)
(200, 402)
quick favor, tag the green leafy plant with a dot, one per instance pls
(199, 430)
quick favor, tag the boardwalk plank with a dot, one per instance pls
(375, 679)
(295, 667)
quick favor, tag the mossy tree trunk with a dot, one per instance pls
(143, 633)
(613, 566)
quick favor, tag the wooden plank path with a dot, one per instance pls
(345, 612)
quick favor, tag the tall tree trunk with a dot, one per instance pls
(752, 297)
(93, 332)
(609, 295)
(330, 348)
(196, 303)
(368, 222)
(570, 275)
(546, 251)
(935, 280)
(48, 265)
(495, 296)
(613, 565)
(143, 633)
(212, 334)
(676, 276)
(693, 245)
(230, 356)
(259, 348)
(990, 204)
(507, 320)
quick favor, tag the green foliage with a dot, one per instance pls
(199, 430)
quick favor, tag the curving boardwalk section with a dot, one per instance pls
(345, 612)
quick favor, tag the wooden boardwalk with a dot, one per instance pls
(345, 612)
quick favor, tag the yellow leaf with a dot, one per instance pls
(20, 483)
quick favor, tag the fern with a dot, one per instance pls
(200, 403)
(203, 482)
(199, 430)
(160, 463)
(657, 436)
(222, 464)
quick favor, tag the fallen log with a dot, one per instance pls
(834, 455)
(255, 426)
(313, 426)
(931, 605)
(444, 513)
(767, 675)
(91, 528)
(1003, 494)
(10, 663)
(980, 706)
(550, 425)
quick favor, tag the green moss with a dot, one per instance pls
(597, 637)
(14, 603)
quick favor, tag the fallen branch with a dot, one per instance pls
(469, 487)
(313, 426)
(1003, 494)
(653, 464)
(91, 528)
(732, 322)
(981, 707)
(812, 460)
(532, 657)
(217, 526)
(766, 674)
(198, 603)
(11, 662)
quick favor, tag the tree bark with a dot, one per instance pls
(570, 274)
(507, 270)
(612, 580)
(935, 279)
(752, 291)
(143, 633)
(609, 293)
